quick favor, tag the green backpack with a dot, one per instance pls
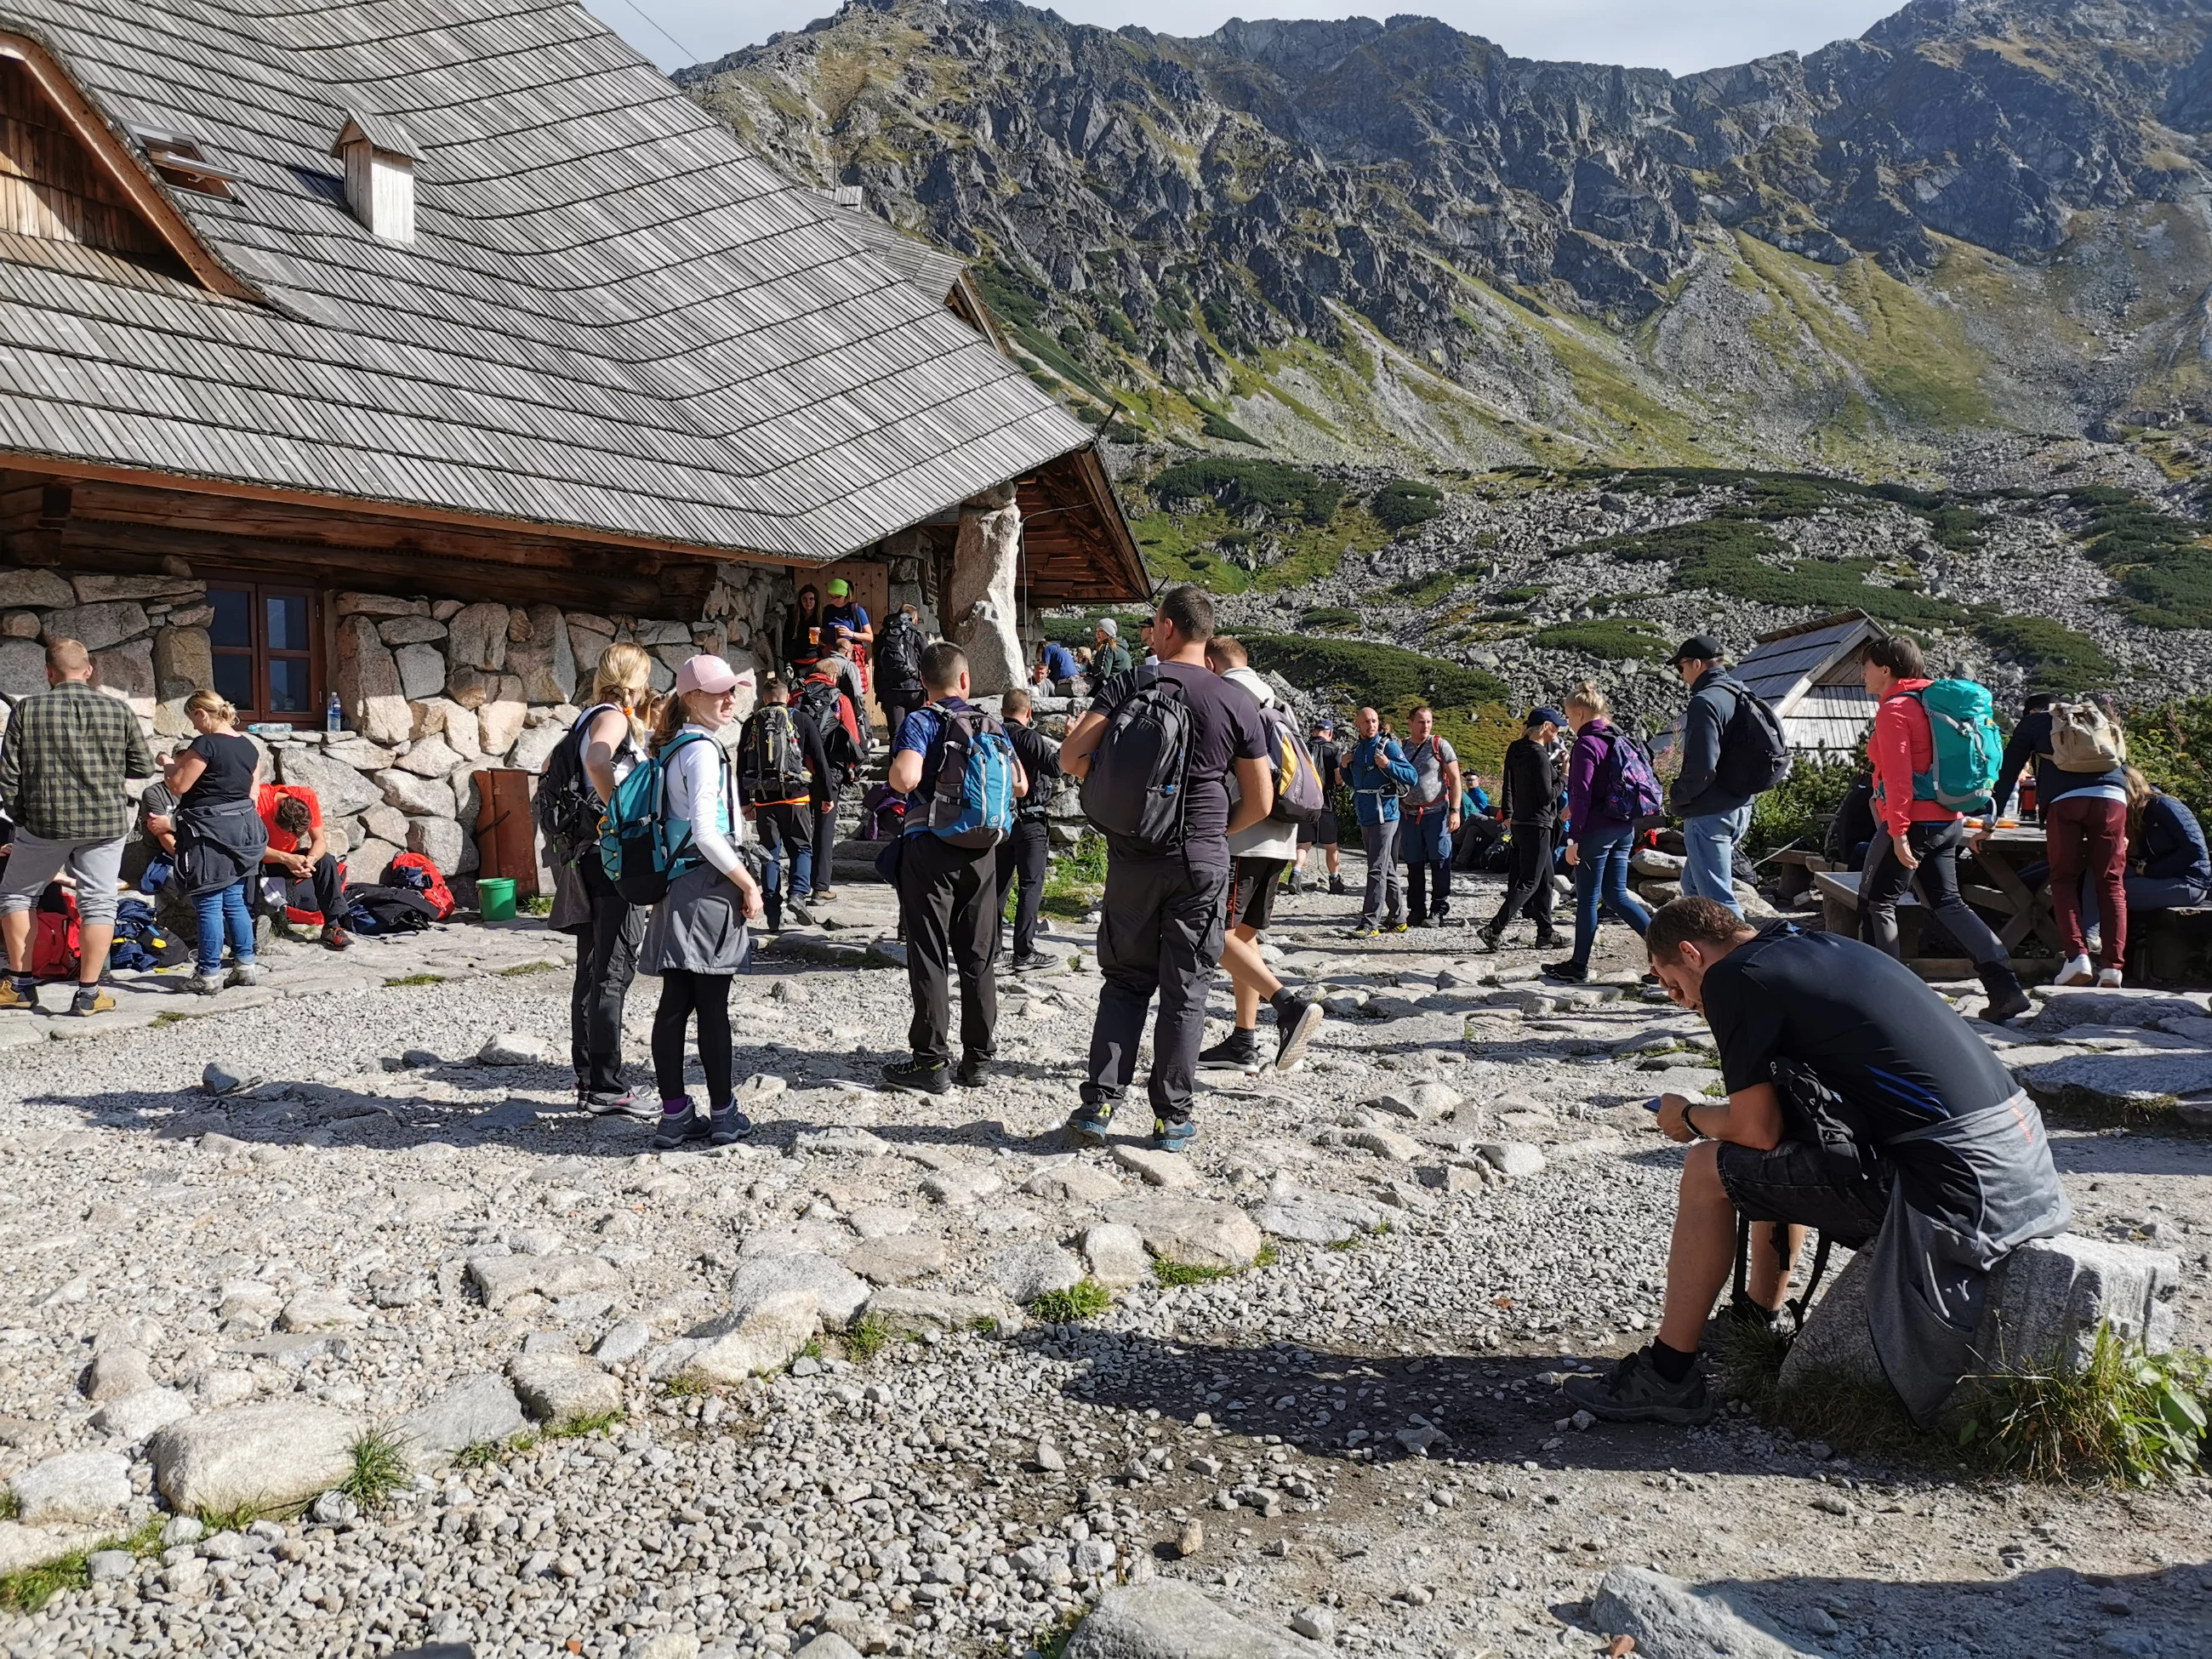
(1966, 745)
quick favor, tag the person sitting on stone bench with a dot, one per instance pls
(1859, 1104)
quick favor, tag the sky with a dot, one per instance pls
(1682, 35)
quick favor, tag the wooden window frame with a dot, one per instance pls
(259, 592)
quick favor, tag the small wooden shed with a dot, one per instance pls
(1810, 674)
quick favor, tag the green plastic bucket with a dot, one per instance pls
(495, 898)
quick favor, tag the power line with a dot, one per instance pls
(654, 24)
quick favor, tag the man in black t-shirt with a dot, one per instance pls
(1859, 1104)
(1323, 832)
(1165, 914)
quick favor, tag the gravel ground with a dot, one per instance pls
(1371, 1427)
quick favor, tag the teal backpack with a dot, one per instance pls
(642, 848)
(1967, 746)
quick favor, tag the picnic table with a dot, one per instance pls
(1989, 880)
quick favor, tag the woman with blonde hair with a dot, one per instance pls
(697, 941)
(609, 738)
(220, 837)
(1598, 846)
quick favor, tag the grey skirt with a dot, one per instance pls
(700, 927)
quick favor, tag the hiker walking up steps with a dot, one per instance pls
(956, 767)
(1378, 770)
(1155, 751)
(696, 941)
(1610, 787)
(1914, 775)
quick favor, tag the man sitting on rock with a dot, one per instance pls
(1859, 1104)
(298, 855)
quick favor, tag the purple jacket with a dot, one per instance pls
(1592, 744)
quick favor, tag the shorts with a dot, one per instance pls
(95, 866)
(1252, 900)
(1793, 1183)
(1322, 832)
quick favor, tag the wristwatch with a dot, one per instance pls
(1689, 1123)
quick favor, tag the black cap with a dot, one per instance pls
(1698, 647)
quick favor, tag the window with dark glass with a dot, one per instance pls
(263, 642)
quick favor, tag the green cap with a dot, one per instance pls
(839, 587)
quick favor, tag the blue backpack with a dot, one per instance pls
(642, 848)
(973, 802)
(1626, 787)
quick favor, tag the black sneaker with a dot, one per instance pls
(1291, 885)
(1336, 887)
(677, 1128)
(1574, 973)
(1031, 962)
(1634, 1392)
(797, 910)
(1239, 1050)
(1088, 1126)
(975, 1071)
(1547, 940)
(88, 1000)
(1487, 938)
(920, 1078)
(1296, 1019)
(728, 1125)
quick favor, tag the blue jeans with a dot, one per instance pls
(1601, 872)
(1709, 845)
(220, 913)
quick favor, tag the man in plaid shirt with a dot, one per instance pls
(63, 762)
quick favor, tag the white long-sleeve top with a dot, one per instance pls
(1270, 838)
(699, 791)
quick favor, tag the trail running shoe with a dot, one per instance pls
(918, 1078)
(1296, 1019)
(1090, 1123)
(1174, 1137)
(90, 1000)
(1634, 1392)
(1238, 1051)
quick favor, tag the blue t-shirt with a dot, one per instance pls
(854, 619)
(921, 732)
(1059, 662)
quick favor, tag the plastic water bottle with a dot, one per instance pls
(333, 716)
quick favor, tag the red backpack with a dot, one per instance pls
(417, 874)
(57, 942)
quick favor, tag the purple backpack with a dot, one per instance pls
(1626, 787)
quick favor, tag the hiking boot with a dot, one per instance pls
(246, 973)
(1634, 1392)
(1337, 889)
(1397, 927)
(820, 896)
(2076, 970)
(2110, 978)
(336, 938)
(918, 1077)
(2007, 998)
(1296, 1019)
(728, 1125)
(797, 910)
(13, 995)
(678, 1123)
(1238, 1051)
(1088, 1125)
(1031, 962)
(1174, 1137)
(1546, 939)
(205, 984)
(975, 1071)
(1487, 938)
(601, 1102)
(1292, 886)
(1366, 930)
(90, 1000)
(1574, 973)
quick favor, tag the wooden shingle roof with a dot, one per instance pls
(614, 319)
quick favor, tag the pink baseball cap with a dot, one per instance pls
(709, 674)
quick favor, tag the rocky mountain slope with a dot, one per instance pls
(1370, 241)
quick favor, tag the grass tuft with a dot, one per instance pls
(34, 1587)
(582, 1426)
(688, 1385)
(381, 1470)
(2125, 1415)
(237, 1518)
(481, 1454)
(524, 969)
(866, 1339)
(11, 1506)
(1084, 1301)
(1170, 1272)
(169, 1018)
(416, 979)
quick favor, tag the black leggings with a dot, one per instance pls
(684, 994)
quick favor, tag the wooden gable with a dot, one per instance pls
(52, 184)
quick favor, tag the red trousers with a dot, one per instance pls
(2089, 833)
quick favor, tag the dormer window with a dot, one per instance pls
(380, 160)
(183, 163)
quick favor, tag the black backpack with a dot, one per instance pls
(898, 653)
(566, 808)
(818, 702)
(1755, 754)
(771, 763)
(1135, 788)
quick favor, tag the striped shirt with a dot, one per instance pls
(64, 760)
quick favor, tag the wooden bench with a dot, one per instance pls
(1792, 871)
(1839, 914)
